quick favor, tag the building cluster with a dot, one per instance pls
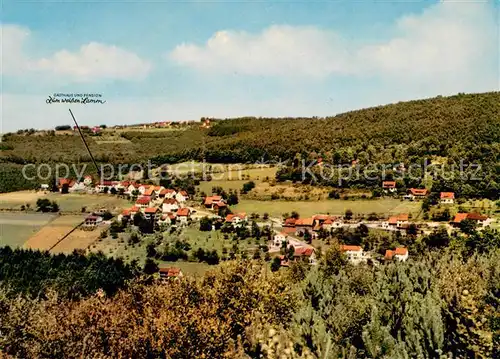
(412, 194)
(311, 225)
(164, 206)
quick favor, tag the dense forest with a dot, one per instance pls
(457, 129)
(441, 303)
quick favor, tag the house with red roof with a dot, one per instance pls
(304, 224)
(399, 253)
(329, 222)
(307, 254)
(447, 197)
(237, 219)
(214, 202)
(399, 221)
(150, 192)
(152, 213)
(183, 215)
(354, 254)
(289, 222)
(416, 193)
(169, 205)
(171, 273)
(481, 220)
(143, 202)
(389, 186)
(92, 221)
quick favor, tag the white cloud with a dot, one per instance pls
(12, 38)
(93, 61)
(96, 61)
(278, 50)
(451, 44)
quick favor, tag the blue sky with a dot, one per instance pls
(156, 61)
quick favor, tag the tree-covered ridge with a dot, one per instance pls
(446, 126)
(34, 273)
(439, 306)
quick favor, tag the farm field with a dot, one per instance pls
(16, 228)
(383, 206)
(69, 202)
(52, 232)
(79, 239)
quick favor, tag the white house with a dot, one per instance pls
(279, 239)
(399, 253)
(183, 215)
(237, 219)
(354, 253)
(447, 197)
(170, 205)
(181, 196)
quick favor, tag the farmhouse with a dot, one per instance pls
(170, 273)
(332, 222)
(389, 186)
(481, 221)
(214, 202)
(447, 197)
(304, 224)
(399, 221)
(92, 221)
(354, 253)
(415, 193)
(399, 253)
(183, 215)
(301, 253)
(237, 219)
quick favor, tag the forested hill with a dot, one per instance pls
(465, 126)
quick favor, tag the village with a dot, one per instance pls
(155, 208)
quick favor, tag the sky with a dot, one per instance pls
(173, 61)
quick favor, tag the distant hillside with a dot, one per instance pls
(438, 126)
(461, 127)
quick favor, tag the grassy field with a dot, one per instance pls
(226, 185)
(211, 240)
(335, 207)
(67, 202)
(52, 232)
(16, 228)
